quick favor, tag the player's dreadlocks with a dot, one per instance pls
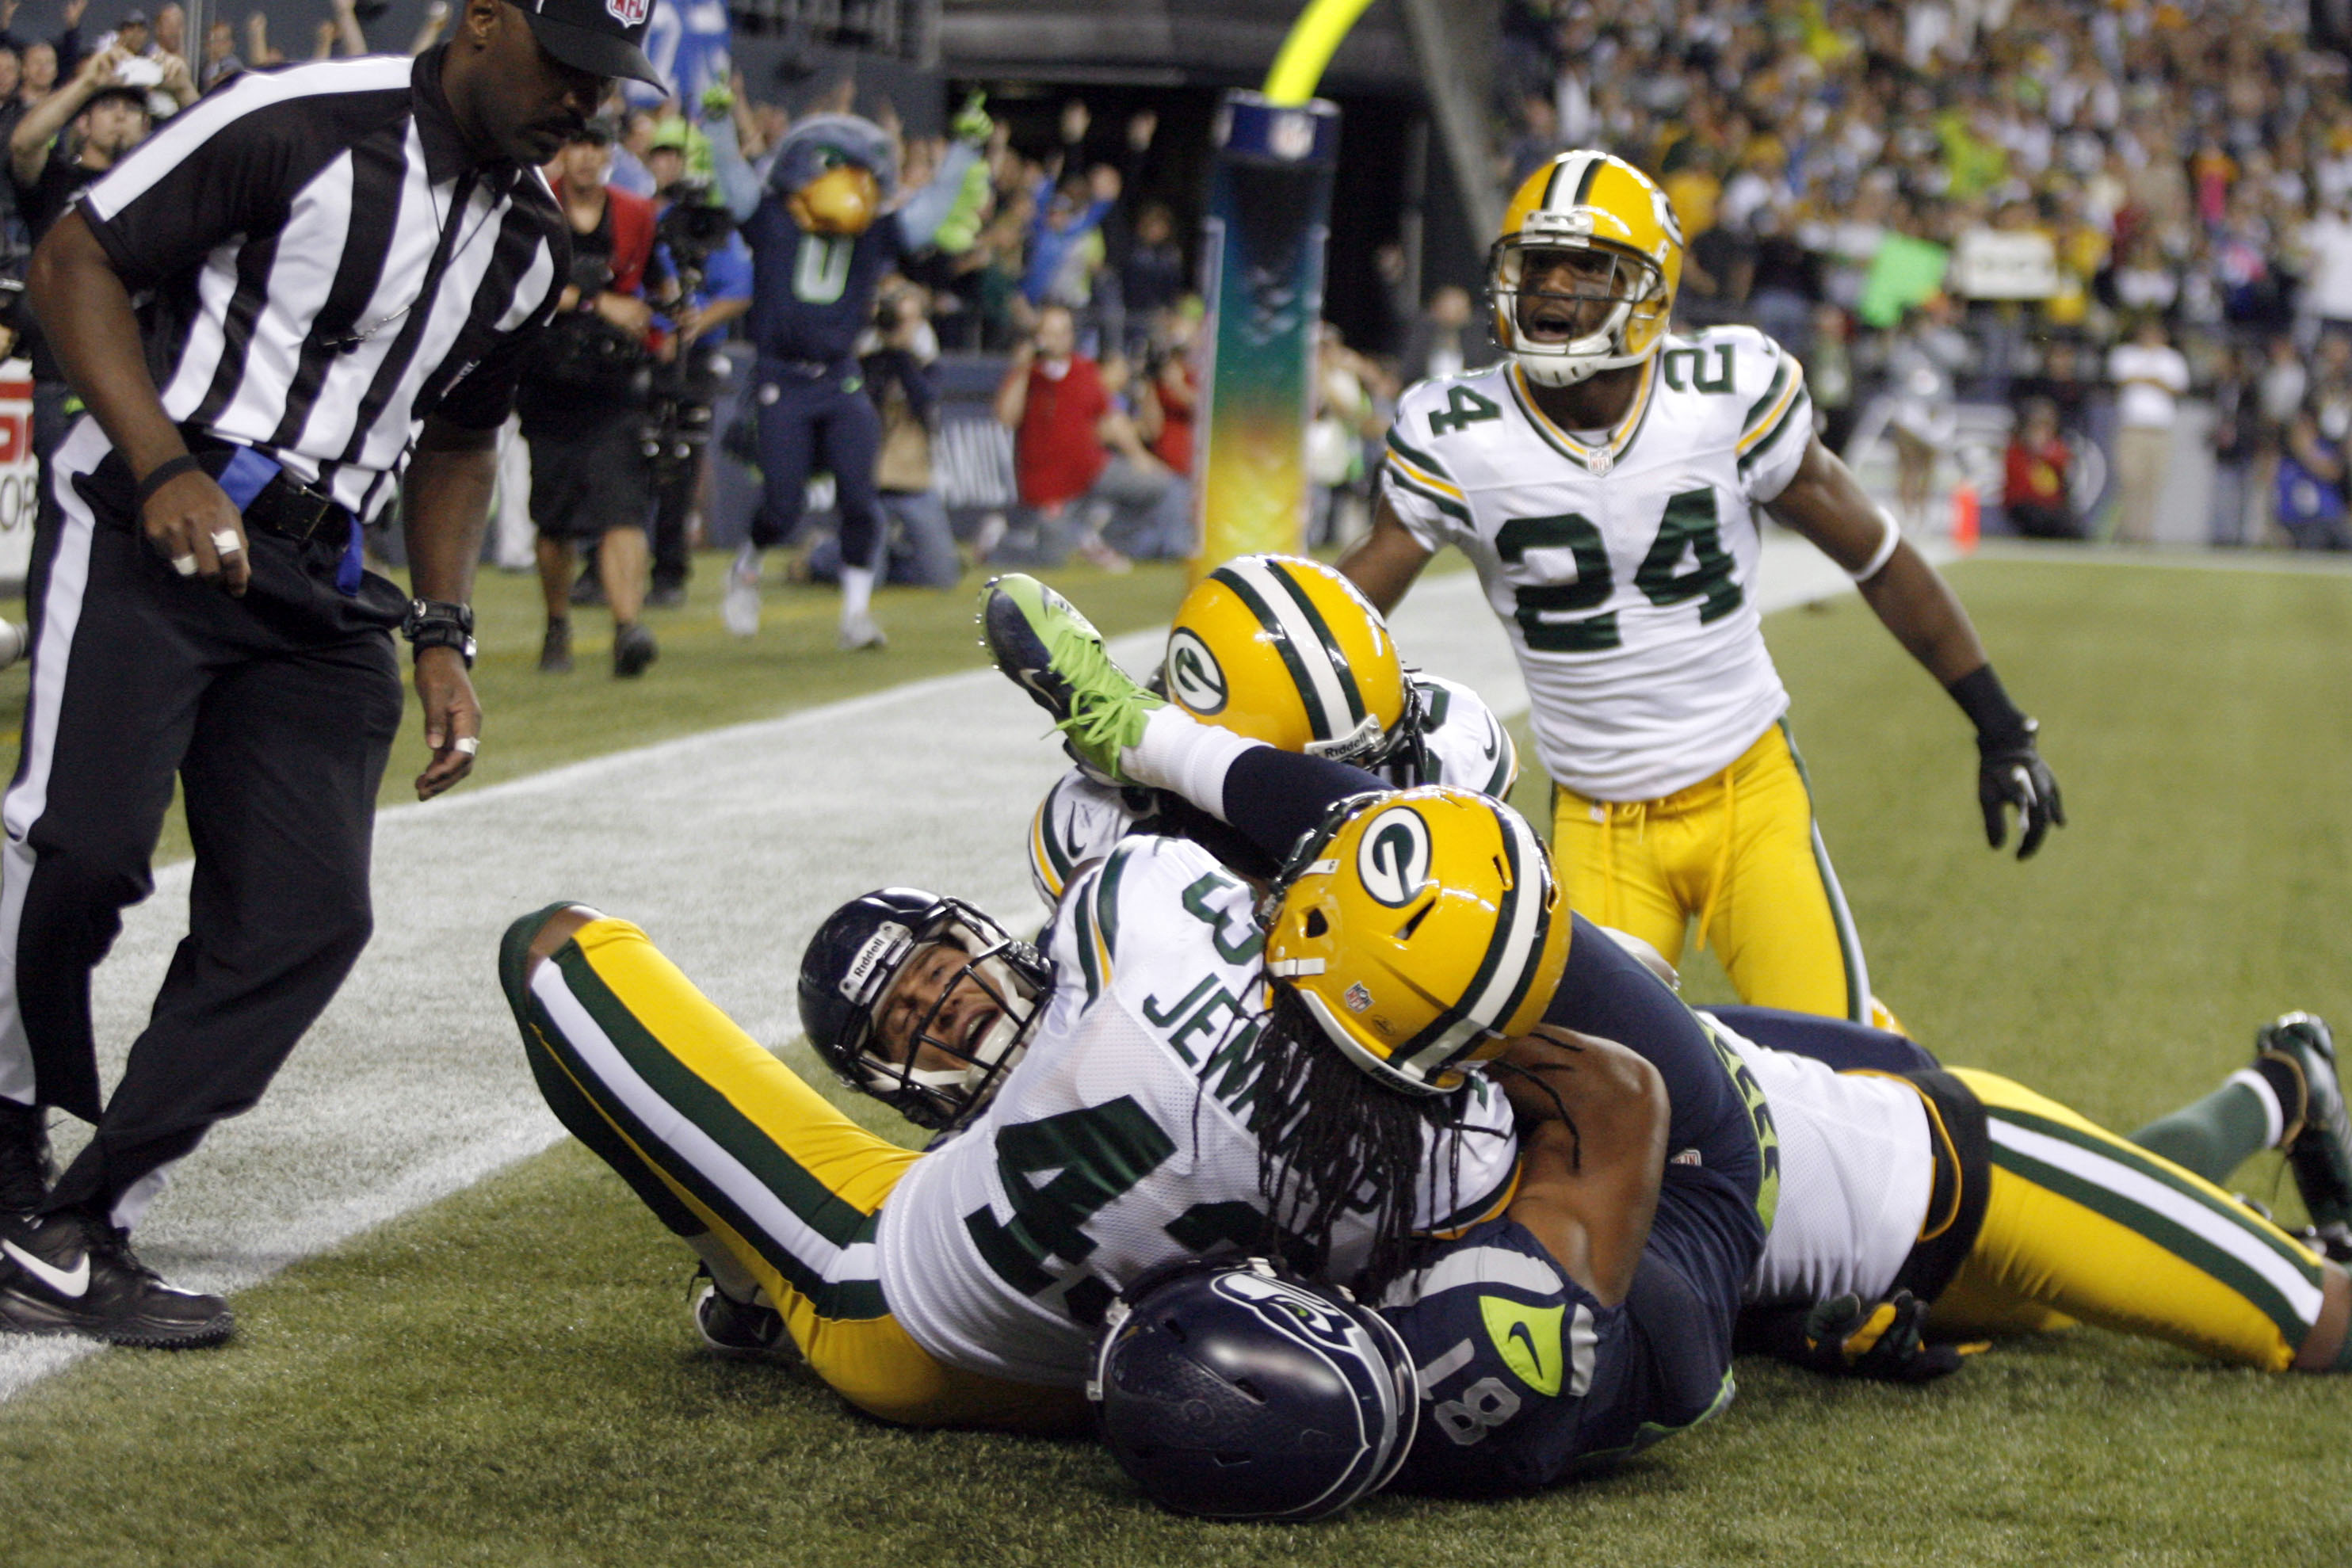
(1331, 1139)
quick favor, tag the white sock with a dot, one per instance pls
(747, 561)
(2273, 1114)
(856, 590)
(1180, 753)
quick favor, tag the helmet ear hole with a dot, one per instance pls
(1315, 925)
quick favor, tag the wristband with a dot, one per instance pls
(1981, 697)
(163, 473)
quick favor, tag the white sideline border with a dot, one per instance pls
(413, 1086)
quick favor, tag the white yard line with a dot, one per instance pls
(413, 1086)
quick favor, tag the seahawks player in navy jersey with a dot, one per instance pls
(821, 243)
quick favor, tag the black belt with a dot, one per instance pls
(294, 509)
(1956, 1203)
(284, 505)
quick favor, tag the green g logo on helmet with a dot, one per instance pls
(1194, 678)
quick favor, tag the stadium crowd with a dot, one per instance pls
(2105, 233)
(1985, 199)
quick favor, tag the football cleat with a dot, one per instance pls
(860, 631)
(72, 1272)
(2318, 1141)
(740, 1331)
(1050, 650)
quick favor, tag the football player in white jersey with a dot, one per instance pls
(1283, 650)
(1607, 481)
(1144, 1092)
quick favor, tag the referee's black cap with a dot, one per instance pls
(603, 36)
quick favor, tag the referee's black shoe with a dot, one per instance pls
(72, 1272)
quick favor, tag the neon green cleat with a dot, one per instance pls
(1050, 650)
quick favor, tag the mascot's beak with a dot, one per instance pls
(840, 202)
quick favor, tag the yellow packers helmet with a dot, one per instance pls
(1422, 929)
(1285, 650)
(1595, 202)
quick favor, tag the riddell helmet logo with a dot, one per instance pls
(873, 964)
(629, 12)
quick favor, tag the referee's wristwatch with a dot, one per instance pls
(436, 624)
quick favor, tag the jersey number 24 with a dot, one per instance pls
(1549, 613)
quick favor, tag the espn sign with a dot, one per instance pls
(20, 478)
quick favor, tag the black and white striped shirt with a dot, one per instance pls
(329, 266)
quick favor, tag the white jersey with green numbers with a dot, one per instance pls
(1080, 818)
(1621, 565)
(1127, 1136)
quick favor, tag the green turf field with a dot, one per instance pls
(509, 1377)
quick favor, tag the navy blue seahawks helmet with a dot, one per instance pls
(860, 952)
(1238, 1390)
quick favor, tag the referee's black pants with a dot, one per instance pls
(278, 713)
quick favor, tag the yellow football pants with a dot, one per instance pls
(1739, 854)
(719, 1137)
(2081, 1224)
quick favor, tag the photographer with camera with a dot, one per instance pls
(713, 269)
(918, 546)
(583, 399)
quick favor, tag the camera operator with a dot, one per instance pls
(583, 400)
(713, 268)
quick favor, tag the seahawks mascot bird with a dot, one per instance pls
(823, 232)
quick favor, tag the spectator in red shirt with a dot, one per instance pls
(2034, 494)
(1078, 463)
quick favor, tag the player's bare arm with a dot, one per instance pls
(445, 504)
(1592, 1138)
(1826, 504)
(1384, 562)
(86, 311)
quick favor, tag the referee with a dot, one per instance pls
(335, 270)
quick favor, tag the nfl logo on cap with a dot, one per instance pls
(629, 12)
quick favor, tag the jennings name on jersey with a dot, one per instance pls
(1462, 744)
(1622, 568)
(1127, 1133)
